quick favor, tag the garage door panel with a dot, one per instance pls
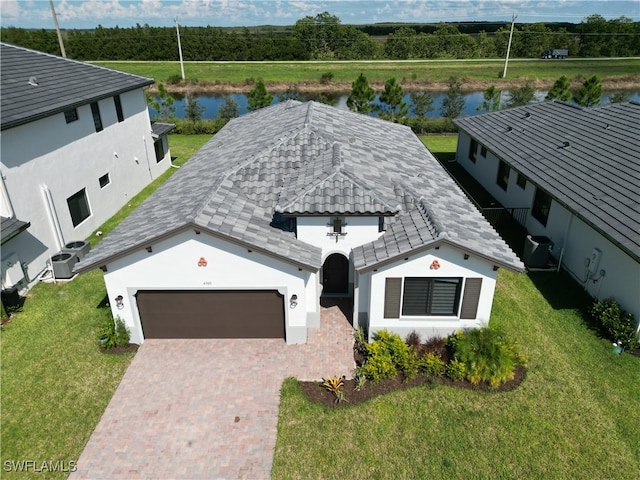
(212, 314)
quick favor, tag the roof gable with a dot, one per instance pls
(308, 158)
(588, 159)
(36, 85)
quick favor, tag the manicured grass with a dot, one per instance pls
(430, 71)
(55, 382)
(575, 416)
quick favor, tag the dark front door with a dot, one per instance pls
(335, 274)
(211, 314)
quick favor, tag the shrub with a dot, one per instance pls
(335, 385)
(456, 370)
(326, 78)
(432, 365)
(487, 355)
(402, 356)
(360, 339)
(122, 333)
(436, 346)
(208, 127)
(413, 340)
(616, 324)
(174, 79)
(108, 333)
(379, 364)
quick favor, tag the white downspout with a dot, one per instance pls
(6, 200)
(53, 217)
(564, 240)
(146, 153)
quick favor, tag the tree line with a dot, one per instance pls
(325, 37)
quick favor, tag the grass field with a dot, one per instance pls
(424, 72)
(55, 382)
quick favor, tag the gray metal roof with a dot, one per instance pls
(36, 85)
(588, 159)
(309, 158)
(10, 227)
(159, 129)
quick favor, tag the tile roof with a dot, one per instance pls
(10, 227)
(588, 159)
(158, 129)
(309, 158)
(36, 85)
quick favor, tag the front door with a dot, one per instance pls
(335, 274)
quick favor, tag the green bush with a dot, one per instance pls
(432, 365)
(456, 370)
(617, 325)
(402, 355)
(326, 78)
(200, 127)
(122, 334)
(421, 125)
(487, 355)
(174, 79)
(108, 333)
(378, 364)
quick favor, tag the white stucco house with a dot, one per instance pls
(294, 202)
(577, 171)
(77, 144)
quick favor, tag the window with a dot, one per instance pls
(78, 207)
(119, 113)
(104, 180)
(431, 296)
(483, 151)
(71, 115)
(503, 175)
(473, 151)
(336, 225)
(158, 145)
(521, 181)
(97, 121)
(381, 226)
(541, 206)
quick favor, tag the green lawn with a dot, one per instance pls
(429, 71)
(55, 382)
(575, 416)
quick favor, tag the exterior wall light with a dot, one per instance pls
(293, 301)
(119, 302)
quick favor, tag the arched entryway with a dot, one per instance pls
(335, 275)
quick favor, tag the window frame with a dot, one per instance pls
(431, 304)
(521, 181)
(504, 171)
(118, 104)
(541, 206)
(102, 183)
(483, 151)
(160, 151)
(71, 115)
(473, 150)
(97, 119)
(79, 212)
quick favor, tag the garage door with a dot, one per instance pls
(211, 314)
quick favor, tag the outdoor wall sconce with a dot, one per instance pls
(466, 256)
(119, 302)
(293, 301)
(202, 262)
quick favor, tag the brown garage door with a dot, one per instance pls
(211, 314)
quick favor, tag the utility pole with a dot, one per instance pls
(179, 47)
(506, 60)
(55, 21)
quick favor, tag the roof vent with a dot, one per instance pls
(527, 114)
(606, 127)
(565, 144)
(509, 129)
(33, 81)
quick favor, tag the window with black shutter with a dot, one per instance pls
(426, 296)
(392, 297)
(471, 298)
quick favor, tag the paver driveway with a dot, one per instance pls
(205, 409)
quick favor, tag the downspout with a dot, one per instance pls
(564, 240)
(6, 199)
(55, 223)
(146, 153)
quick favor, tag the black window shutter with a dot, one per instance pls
(392, 291)
(472, 287)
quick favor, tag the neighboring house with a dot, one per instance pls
(292, 202)
(577, 171)
(77, 145)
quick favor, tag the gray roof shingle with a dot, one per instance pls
(36, 85)
(588, 159)
(309, 158)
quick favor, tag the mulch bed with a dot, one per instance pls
(315, 392)
(118, 350)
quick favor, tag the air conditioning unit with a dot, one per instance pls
(79, 248)
(63, 263)
(536, 251)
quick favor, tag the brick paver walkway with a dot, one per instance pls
(207, 409)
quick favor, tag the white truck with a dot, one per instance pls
(555, 53)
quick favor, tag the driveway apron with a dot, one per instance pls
(206, 409)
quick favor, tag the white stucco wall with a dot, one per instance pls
(573, 239)
(359, 229)
(173, 265)
(69, 157)
(452, 264)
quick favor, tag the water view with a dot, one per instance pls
(213, 102)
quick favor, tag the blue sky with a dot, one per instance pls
(222, 13)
